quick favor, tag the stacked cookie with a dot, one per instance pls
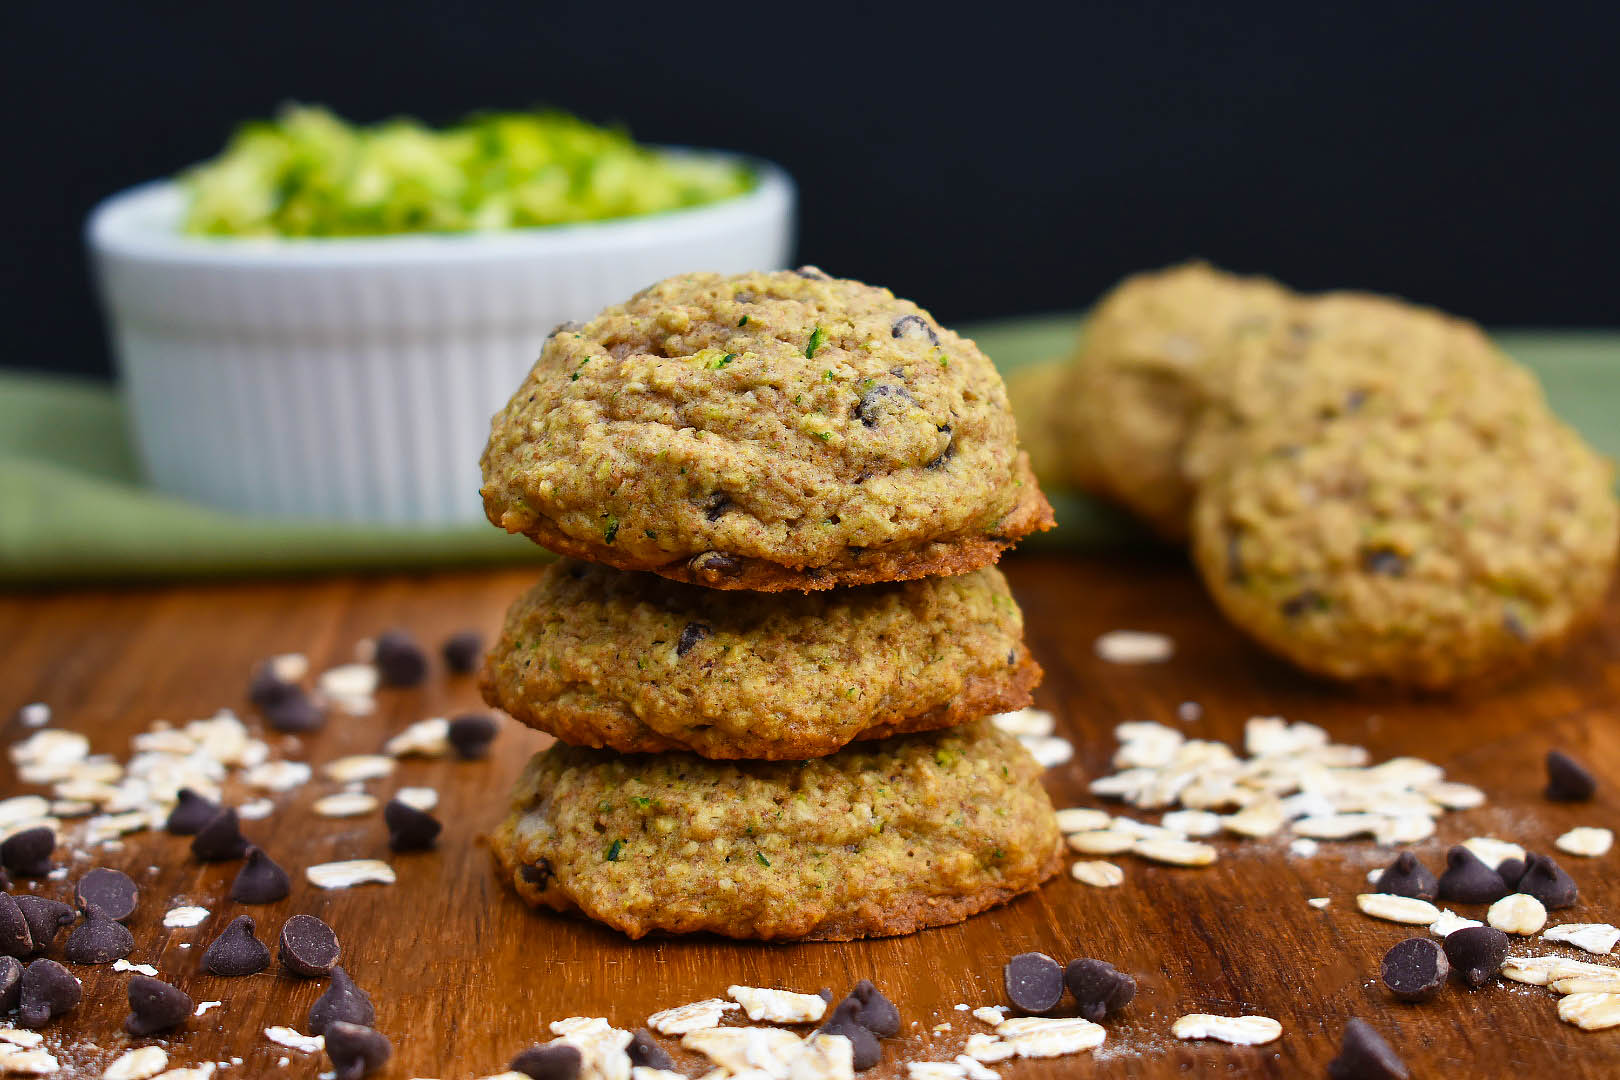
(776, 629)
(1370, 488)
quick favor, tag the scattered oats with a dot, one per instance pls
(144, 969)
(35, 714)
(1586, 840)
(1404, 829)
(255, 810)
(740, 1049)
(1025, 722)
(359, 767)
(822, 1057)
(990, 1014)
(1176, 852)
(139, 1064)
(778, 1006)
(27, 1063)
(960, 1006)
(49, 750)
(1491, 851)
(935, 1070)
(1517, 913)
(1541, 970)
(988, 1048)
(1102, 842)
(425, 738)
(1455, 796)
(200, 1072)
(1375, 874)
(422, 798)
(939, 1029)
(22, 809)
(1588, 984)
(1590, 1012)
(163, 740)
(289, 667)
(1337, 826)
(637, 1072)
(1263, 819)
(697, 1016)
(1596, 938)
(352, 687)
(1134, 647)
(105, 827)
(1237, 1030)
(72, 808)
(1319, 902)
(279, 775)
(1304, 847)
(345, 804)
(1048, 751)
(341, 875)
(1103, 875)
(1042, 1037)
(1192, 822)
(295, 1040)
(21, 1037)
(973, 1070)
(1082, 819)
(1400, 909)
(204, 1006)
(178, 917)
(1450, 922)
(1146, 745)
(1189, 712)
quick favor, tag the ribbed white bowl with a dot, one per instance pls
(354, 379)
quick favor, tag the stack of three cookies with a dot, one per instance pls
(776, 630)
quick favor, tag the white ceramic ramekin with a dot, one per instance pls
(354, 379)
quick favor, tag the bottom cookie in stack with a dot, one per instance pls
(881, 838)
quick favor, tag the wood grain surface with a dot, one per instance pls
(464, 975)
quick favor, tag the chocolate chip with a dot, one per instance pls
(221, 839)
(45, 919)
(266, 688)
(236, 951)
(814, 273)
(461, 651)
(644, 1050)
(1415, 969)
(470, 735)
(1546, 881)
(1515, 625)
(1407, 877)
(1302, 602)
(691, 634)
(536, 874)
(260, 881)
(28, 853)
(715, 564)
(11, 973)
(98, 940)
(409, 829)
(863, 1042)
(1469, 881)
(881, 399)
(1511, 870)
(1383, 561)
(1567, 779)
(558, 1061)
(1034, 982)
(308, 946)
(155, 1006)
(47, 991)
(877, 1013)
(297, 712)
(342, 1001)
(15, 937)
(1476, 953)
(716, 505)
(190, 813)
(356, 1050)
(399, 659)
(1099, 989)
(1364, 1055)
(914, 326)
(110, 890)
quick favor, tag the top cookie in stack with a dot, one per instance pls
(764, 431)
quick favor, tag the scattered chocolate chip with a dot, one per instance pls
(715, 564)
(356, 1051)
(98, 940)
(342, 1001)
(1469, 881)
(266, 689)
(1364, 1055)
(558, 1061)
(155, 1006)
(1567, 779)
(236, 951)
(1406, 876)
(691, 634)
(45, 919)
(28, 853)
(15, 937)
(1476, 953)
(644, 1050)
(881, 399)
(1098, 987)
(47, 991)
(877, 1013)
(914, 326)
(1415, 969)
(308, 946)
(1546, 881)
(260, 881)
(814, 273)
(11, 973)
(5, 879)
(470, 735)
(1511, 870)
(1034, 982)
(190, 813)
(461, 651)
(863, 1042)
(399, 659)
(295, 713)
(221, 839)
(1383, 561)
(825, 994)
(409, 829)
(110, 890)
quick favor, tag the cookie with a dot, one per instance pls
(1036, 392)
(637, 663)
(881, 838)
(1425, 548)
(1150, 360)
(764, 431)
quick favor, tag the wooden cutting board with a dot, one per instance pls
(464, 976)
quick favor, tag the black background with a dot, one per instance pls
(984, 161)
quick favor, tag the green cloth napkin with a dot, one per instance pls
(73, 508)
